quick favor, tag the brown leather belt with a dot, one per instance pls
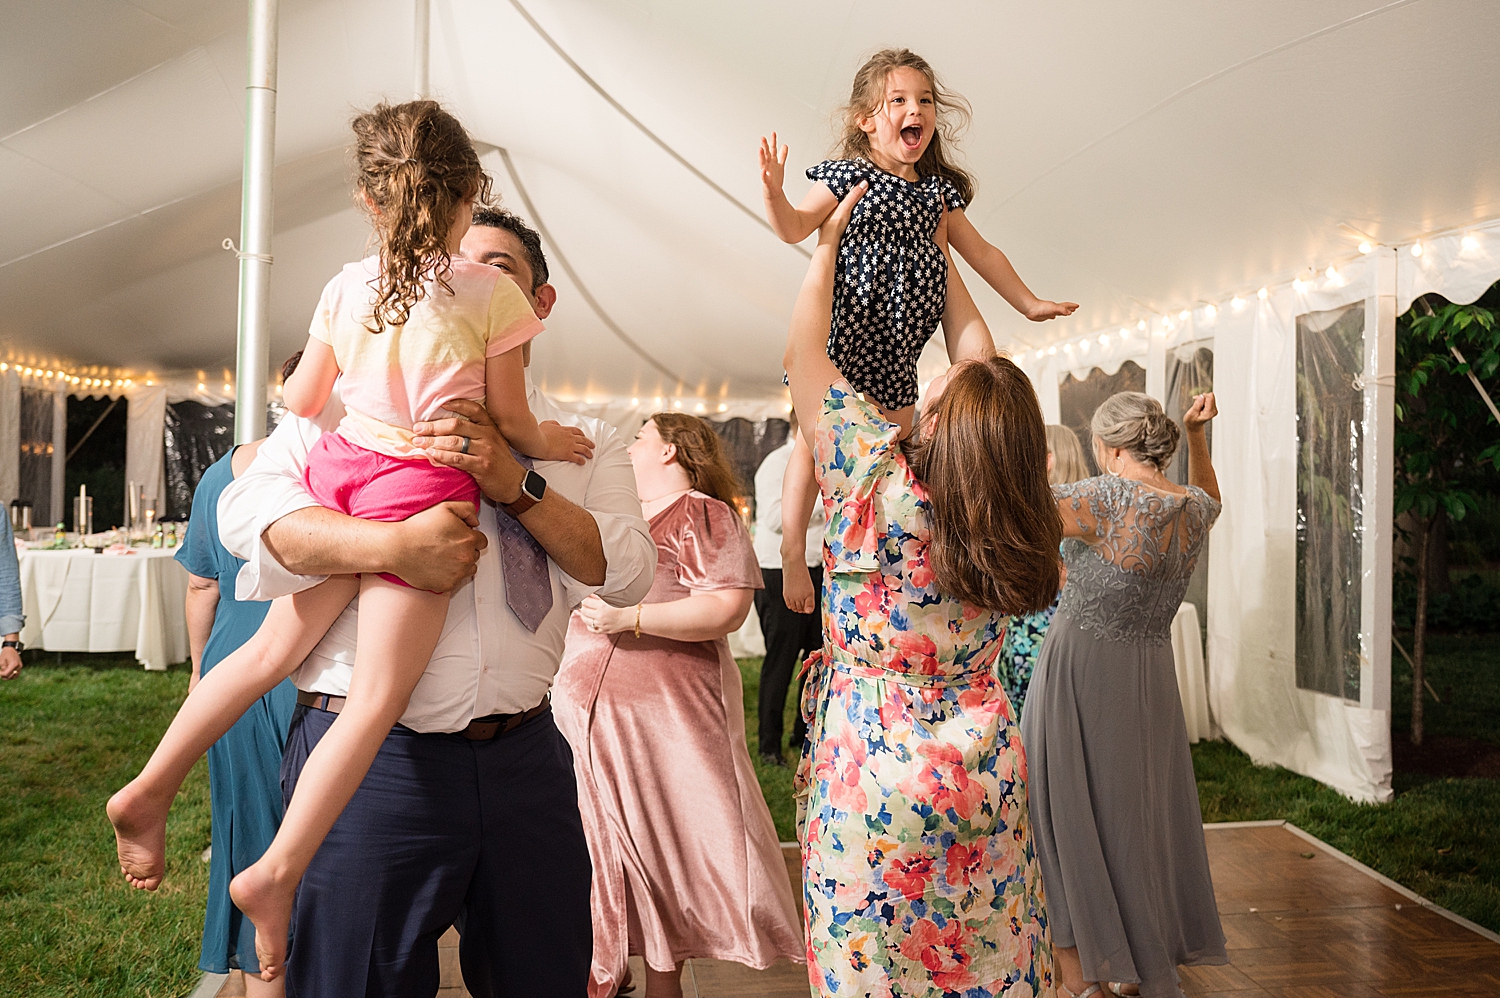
(481, 729)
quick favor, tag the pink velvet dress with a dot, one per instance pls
(686, 859)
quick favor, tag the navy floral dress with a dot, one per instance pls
(892, 279)
(1019, 651)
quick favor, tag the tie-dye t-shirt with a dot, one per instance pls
(394, 378)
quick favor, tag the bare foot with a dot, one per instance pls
(140, 835)
(267, 902)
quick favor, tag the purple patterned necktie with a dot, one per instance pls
(528, 584)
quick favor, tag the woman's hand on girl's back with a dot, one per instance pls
(1203, 409)
(832, 229)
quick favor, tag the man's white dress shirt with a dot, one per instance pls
(486, 661)
(768, 479)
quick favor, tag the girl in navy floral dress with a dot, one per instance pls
(891, 285)
(892, 279)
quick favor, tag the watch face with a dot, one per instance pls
(534, 485)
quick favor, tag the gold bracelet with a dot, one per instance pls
(638, 620)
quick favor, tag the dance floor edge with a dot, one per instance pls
(1302, 920)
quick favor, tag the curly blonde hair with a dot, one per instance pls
(868, 94)
(415, 167)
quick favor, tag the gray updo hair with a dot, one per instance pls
(1136, 422)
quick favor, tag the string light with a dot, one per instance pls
(723, 407)
(634, 402)
(1469, 243)
(1416, 249)
(1262, 294)
(1040, 354)
(1365, 247)
(1104, 339)
(1141, 325)
(1331, 273)
(1124, 332)
(1052, 351)
(1083, 345)
(1184, 315)
(1298, 285)
(1237, 303)
(1210, 312)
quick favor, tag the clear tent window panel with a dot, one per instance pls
(1330, 502)
(1077, 399)
(37, 447)
(1190, 371)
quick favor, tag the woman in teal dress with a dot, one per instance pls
(1026, 631)
(244, 766)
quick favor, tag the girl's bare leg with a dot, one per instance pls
(257, 988)
(398, 630)
(293, 627)
(664, 983)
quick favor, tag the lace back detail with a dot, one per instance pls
(1128, 574)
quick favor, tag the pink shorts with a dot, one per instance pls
(375, 486)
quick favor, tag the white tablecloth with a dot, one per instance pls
(1187, 652)
(81, 601)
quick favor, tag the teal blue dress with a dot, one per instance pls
(244, 767)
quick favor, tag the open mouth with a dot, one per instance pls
(911, 136)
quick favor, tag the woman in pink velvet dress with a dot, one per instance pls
(686, 858)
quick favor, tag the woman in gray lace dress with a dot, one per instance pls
(1113, 799)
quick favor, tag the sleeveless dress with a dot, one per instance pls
(892, 279)
(1113, 795)
(244, 767)
(685, 855)
(919, 870)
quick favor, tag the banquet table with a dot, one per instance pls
(77, 600)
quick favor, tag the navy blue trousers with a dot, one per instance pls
(445, 829)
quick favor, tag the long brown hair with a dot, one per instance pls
(868, 94)
(983, 460)
(416, 165)
(701, 454)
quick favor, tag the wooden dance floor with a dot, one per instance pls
(1302, 920)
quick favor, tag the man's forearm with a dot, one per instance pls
(322, 541)
(570, 537)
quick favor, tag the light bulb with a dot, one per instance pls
(723, 407)
(1365, 247)
(1262, 294)
(677, 403)
(1237, 303)
(228, 388)
(1052, 351)
(1209, 312)
(1141, 325)
(1067, 348)
(1416, 249)
(1104, 339)
(1469, 243)
(27, 372)
(1184, 315)
(700, 407)
(1084, 346)
(1298, 286)
(789, 407)
(1124, 332)
(635, 402)
(1039, 354)
(1331, 273)
(202, 387)
(656, 400)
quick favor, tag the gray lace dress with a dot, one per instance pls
(1114, 803)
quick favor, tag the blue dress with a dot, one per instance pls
(244, 767)
(892, 279)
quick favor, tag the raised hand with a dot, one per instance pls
(1203, 409)
(1044, 310)
(772, 166)
(566, 443)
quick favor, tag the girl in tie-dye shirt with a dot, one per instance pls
(406, 331)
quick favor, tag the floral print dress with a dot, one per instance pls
(919, 870)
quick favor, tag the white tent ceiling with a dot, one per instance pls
(1136, 158)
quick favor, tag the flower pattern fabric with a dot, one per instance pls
(892, 279)
(1019, 651)
(919, 871)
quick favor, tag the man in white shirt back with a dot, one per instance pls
(470, 810)
(789, 635)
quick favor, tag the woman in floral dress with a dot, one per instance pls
(919, 872)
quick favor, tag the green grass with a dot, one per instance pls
(69, 925)
(71, 734)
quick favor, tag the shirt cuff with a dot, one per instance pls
(12, 623)
(630, 559)
(262, 577)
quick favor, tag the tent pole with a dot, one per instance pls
(421, 49)
(254, 353)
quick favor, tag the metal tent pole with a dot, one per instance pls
(254, 354)
(420, 48)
